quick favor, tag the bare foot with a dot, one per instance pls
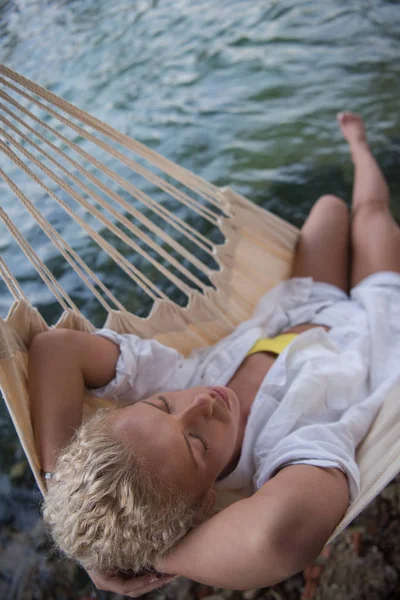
(352, 128)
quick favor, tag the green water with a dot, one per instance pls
(243, 93)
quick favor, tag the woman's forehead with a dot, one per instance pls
(152, 433)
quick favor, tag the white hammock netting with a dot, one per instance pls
(96, 184)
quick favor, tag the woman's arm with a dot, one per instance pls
(61, 363)
(256, 542)
(262, 540)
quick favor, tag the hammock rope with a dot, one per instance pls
(61, 245)
(108, 248)
(181, 175)
(256, 253)
(41, 268)
(180, 225)
(12, 284)
(94, 211)
(204, 188)
(133, 190)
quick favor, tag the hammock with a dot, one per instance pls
(39, 131)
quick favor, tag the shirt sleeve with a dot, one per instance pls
(144, 367)
(319, 445)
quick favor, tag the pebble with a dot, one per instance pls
(250, 594)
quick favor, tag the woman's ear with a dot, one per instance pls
(206, 505)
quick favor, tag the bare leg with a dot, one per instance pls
(323, 248)
(375, 236)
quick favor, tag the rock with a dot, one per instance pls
(18, 470)
(203, 591)
(250, 594)
(19, 507)
(27, 574)
(6, 509)
(179, 589)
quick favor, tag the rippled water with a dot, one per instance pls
(243, 93)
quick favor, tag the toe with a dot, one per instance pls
(344, 117)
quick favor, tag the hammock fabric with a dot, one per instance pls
(256, 254)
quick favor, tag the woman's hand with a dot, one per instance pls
(134, 587)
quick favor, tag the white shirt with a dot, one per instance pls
(319, 398)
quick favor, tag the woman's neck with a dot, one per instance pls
(245, 383)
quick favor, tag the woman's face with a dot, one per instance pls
(187, 437)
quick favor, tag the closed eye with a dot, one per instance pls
(167, 406)
(189, 446)
(199, 437)
(203, 441)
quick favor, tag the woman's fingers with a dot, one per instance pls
(116, 584)
(154, 584)
(129, 587)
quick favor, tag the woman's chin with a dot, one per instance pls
(233, 400)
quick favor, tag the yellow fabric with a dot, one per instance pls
(276, 344)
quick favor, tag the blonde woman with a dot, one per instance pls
(134, 489)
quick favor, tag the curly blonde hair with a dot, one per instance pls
(106, 510)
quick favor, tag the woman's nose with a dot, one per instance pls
(202, 405)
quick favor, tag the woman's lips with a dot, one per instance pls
(224, 395)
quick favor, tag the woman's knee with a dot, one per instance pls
(371, 210)
(331, 203)
(329, 211)
(53, 338)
